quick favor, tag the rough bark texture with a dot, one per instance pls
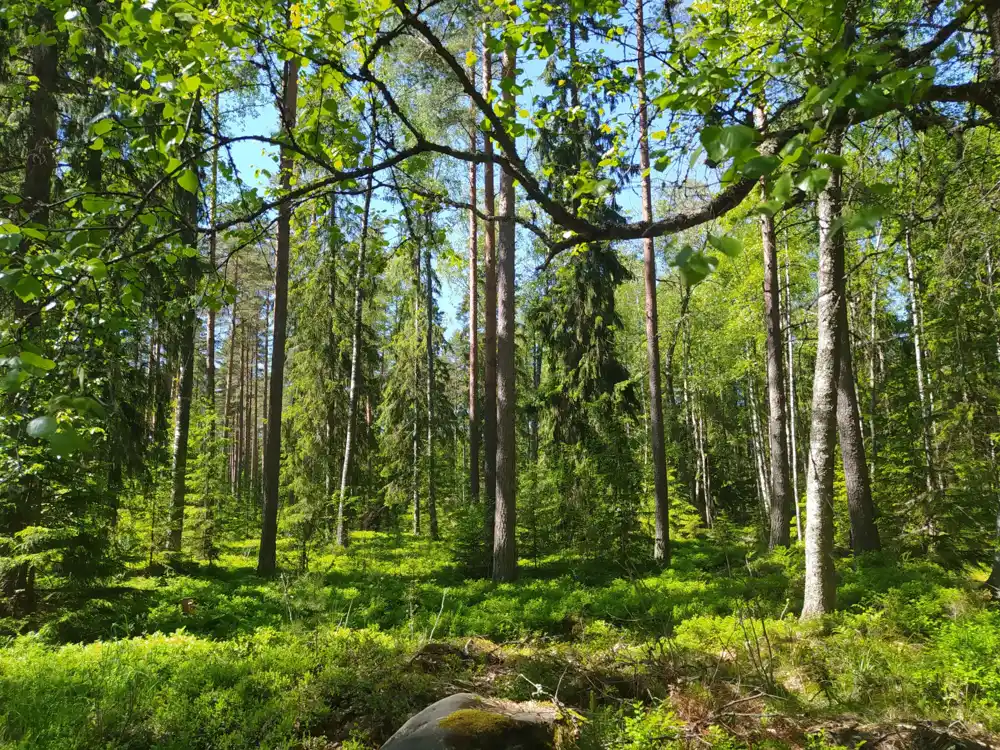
(36, 190)
(661, 544)
(490, 319)
(473, 313)
(781, 486)
(820, 581)
(343, 536)
(187, 208)
(861, 507)
(267, 556)
(792, 403)
(505, 537)
(432, 520)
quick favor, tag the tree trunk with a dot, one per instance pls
(792, 403)
(781, 488)
(267, 557)
(490, 315)
(661, 545)
(36, 191)
(187, 209)
(473, 310)
(212, 245)
(343, 534)
(864, 532)
(926, 415)
(505, 539)
(432, 520)
(332, 356)
(820, 579)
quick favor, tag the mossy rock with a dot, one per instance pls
(469, 722)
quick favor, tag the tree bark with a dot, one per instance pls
(36, 191)
(267, 557)
(781, 488)
(792, 403)
(820, 579)
(432, 520)
(187, 208)
(505, 539)
(490, 315)
(332, 356)
(212, 246)
(473, 310)
(861, 507)
(661, 544)
(343, 534)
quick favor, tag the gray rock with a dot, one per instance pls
(466, 721)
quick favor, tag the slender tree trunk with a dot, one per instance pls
(473, 310)
(432, 520)
(918, 352)
(267, 557)
(187, 208)
(415, 477)
(661, 546)
(333, 369)
(792, 403)
(757, 448)
(343, 534)
(820, 579)
(36, 194)
(212, 246)
(490, 314)
(781, 488)
(505, 539)
(861, 507)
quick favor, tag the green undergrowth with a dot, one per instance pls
(199, 657)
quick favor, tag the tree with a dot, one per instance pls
(505, 534)
(661, 548)
(267, 555)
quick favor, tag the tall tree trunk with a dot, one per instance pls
(661, 545)
(820, 579)
(187, 208)
(36, 193)
(343, 534)
(332, 366)
(432, 520)
(792, 403)
(781, 488)
(267, 556)
(505, 528)
(861, 507)
(212, 246)
(926, 414)
(473, 309)
(490, 315)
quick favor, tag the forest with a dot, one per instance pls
(633, 366)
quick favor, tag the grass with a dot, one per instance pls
(201, 657)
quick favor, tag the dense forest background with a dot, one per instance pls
(639, 330)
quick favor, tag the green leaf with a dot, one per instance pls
(36, 360)
(41, 427)
(103, 127)
(28, 288)
(710, 140)
(188, 179)
(728, 246)
(814, 180)
(737, 137)
(66, 441)
(834, 161)
(759, 166)
(96, 268)
(781, 190)
(470, 59)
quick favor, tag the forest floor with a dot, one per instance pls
(708, 653)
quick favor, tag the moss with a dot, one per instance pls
(477, 722)
(478, 729)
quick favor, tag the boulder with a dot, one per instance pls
(466, 721)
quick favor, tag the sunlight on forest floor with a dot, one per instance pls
(217, 657)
